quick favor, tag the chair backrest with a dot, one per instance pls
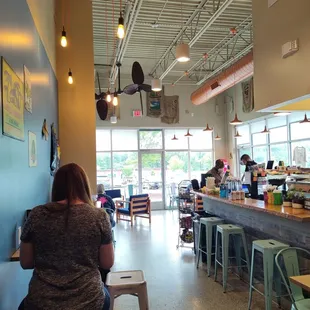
(289, 257)
(139, 203)
(114, 193)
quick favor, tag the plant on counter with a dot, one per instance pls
(298, 200)
(288, 198)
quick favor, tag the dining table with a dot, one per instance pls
(302, 281)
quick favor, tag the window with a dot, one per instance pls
(200, 140)
(279, 152)
(151, 139)
(176, 164)
(104, 171)
(201, 162)
(103, 140)
(124, 140)
(243, 150)
(260, 154)
(278, 134)
(259, 138)
(180, 144)
(244, 131)
(300, 131)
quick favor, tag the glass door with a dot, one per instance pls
(152, 177)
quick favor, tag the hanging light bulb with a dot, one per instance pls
(182, 52)
(281, 113)
(63, 40)
(121, 28)
(174, 137)
(237, 135)
(217, 138)
(188, 134)
(156, 84)
(115, 99)
(305, 120)
(235, 121)
(70, 78)
(265, 131)
(208, 128)
(108, 97)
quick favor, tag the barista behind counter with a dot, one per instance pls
(217, 172)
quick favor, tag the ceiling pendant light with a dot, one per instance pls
(120, 27)
(217, 138)
(208, 128)
(237, 135)
(174, 137)
(115, 99)
(305, 120)
(156, 84)
(70, 78)
(108, 97)
(188, 134)
(265, 131)
(182, 52)
(281, 113)
(235, 121)
(63, 40)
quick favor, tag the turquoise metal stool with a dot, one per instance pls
(237, 232)
(269, 248)
(210, 224)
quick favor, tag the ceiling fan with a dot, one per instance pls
(138, 83)
(101, 105)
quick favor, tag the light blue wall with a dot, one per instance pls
(22, 187)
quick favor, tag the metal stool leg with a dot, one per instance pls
(216, 255)
(225, 245)
(199, 245)
(209, 231)
(251, 279)
(268, 280)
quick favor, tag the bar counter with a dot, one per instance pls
(262, 221)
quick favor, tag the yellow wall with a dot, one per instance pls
(42, 12)
(77, 121)
(278, 80)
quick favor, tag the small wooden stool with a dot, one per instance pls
(128, 282)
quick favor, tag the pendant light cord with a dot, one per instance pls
(114, 37)
(107, 39)
(182, 20)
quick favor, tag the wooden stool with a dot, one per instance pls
(128, 282)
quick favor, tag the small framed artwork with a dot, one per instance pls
(32, 149)
(27, 89)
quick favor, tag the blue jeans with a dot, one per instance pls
(106, 305)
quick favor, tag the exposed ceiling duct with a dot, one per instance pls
(241, 70)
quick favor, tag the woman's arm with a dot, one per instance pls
(27, 255)
(106, 256)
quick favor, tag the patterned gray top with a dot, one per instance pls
(66, 274)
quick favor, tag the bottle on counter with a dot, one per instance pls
(223, 190)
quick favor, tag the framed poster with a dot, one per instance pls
(12, 95)
(32, 149)
(28, 93)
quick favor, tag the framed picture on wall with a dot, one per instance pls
(12, 96)
(32, 149)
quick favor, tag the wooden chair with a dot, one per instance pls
(137, 206)
(198, 204)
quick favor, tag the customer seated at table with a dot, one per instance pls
(65, 242)
(106, 202)
(217, 172)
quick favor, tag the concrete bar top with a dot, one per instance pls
(300, 215)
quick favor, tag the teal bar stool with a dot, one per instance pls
(238, 234)
(210, 224)
(269, 248)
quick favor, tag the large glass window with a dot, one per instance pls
(151, 139)
(279, 152)
(177, 169)
(260, 154)
(244, 131)
(200, 162)
(103, 140)
(180, 144)
(278, 134)
(200, 140)
(259, 138)
(124, 140)
(300, 131)
(104, 169)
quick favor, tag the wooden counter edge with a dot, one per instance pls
(272, 212)
(297, 281)
(15, 256)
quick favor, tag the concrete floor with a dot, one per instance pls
(172, 278)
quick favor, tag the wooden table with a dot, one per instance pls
(302, 281)
(15, 256)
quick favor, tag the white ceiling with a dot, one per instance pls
(205, 25)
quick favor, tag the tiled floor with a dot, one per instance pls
(172, 278)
